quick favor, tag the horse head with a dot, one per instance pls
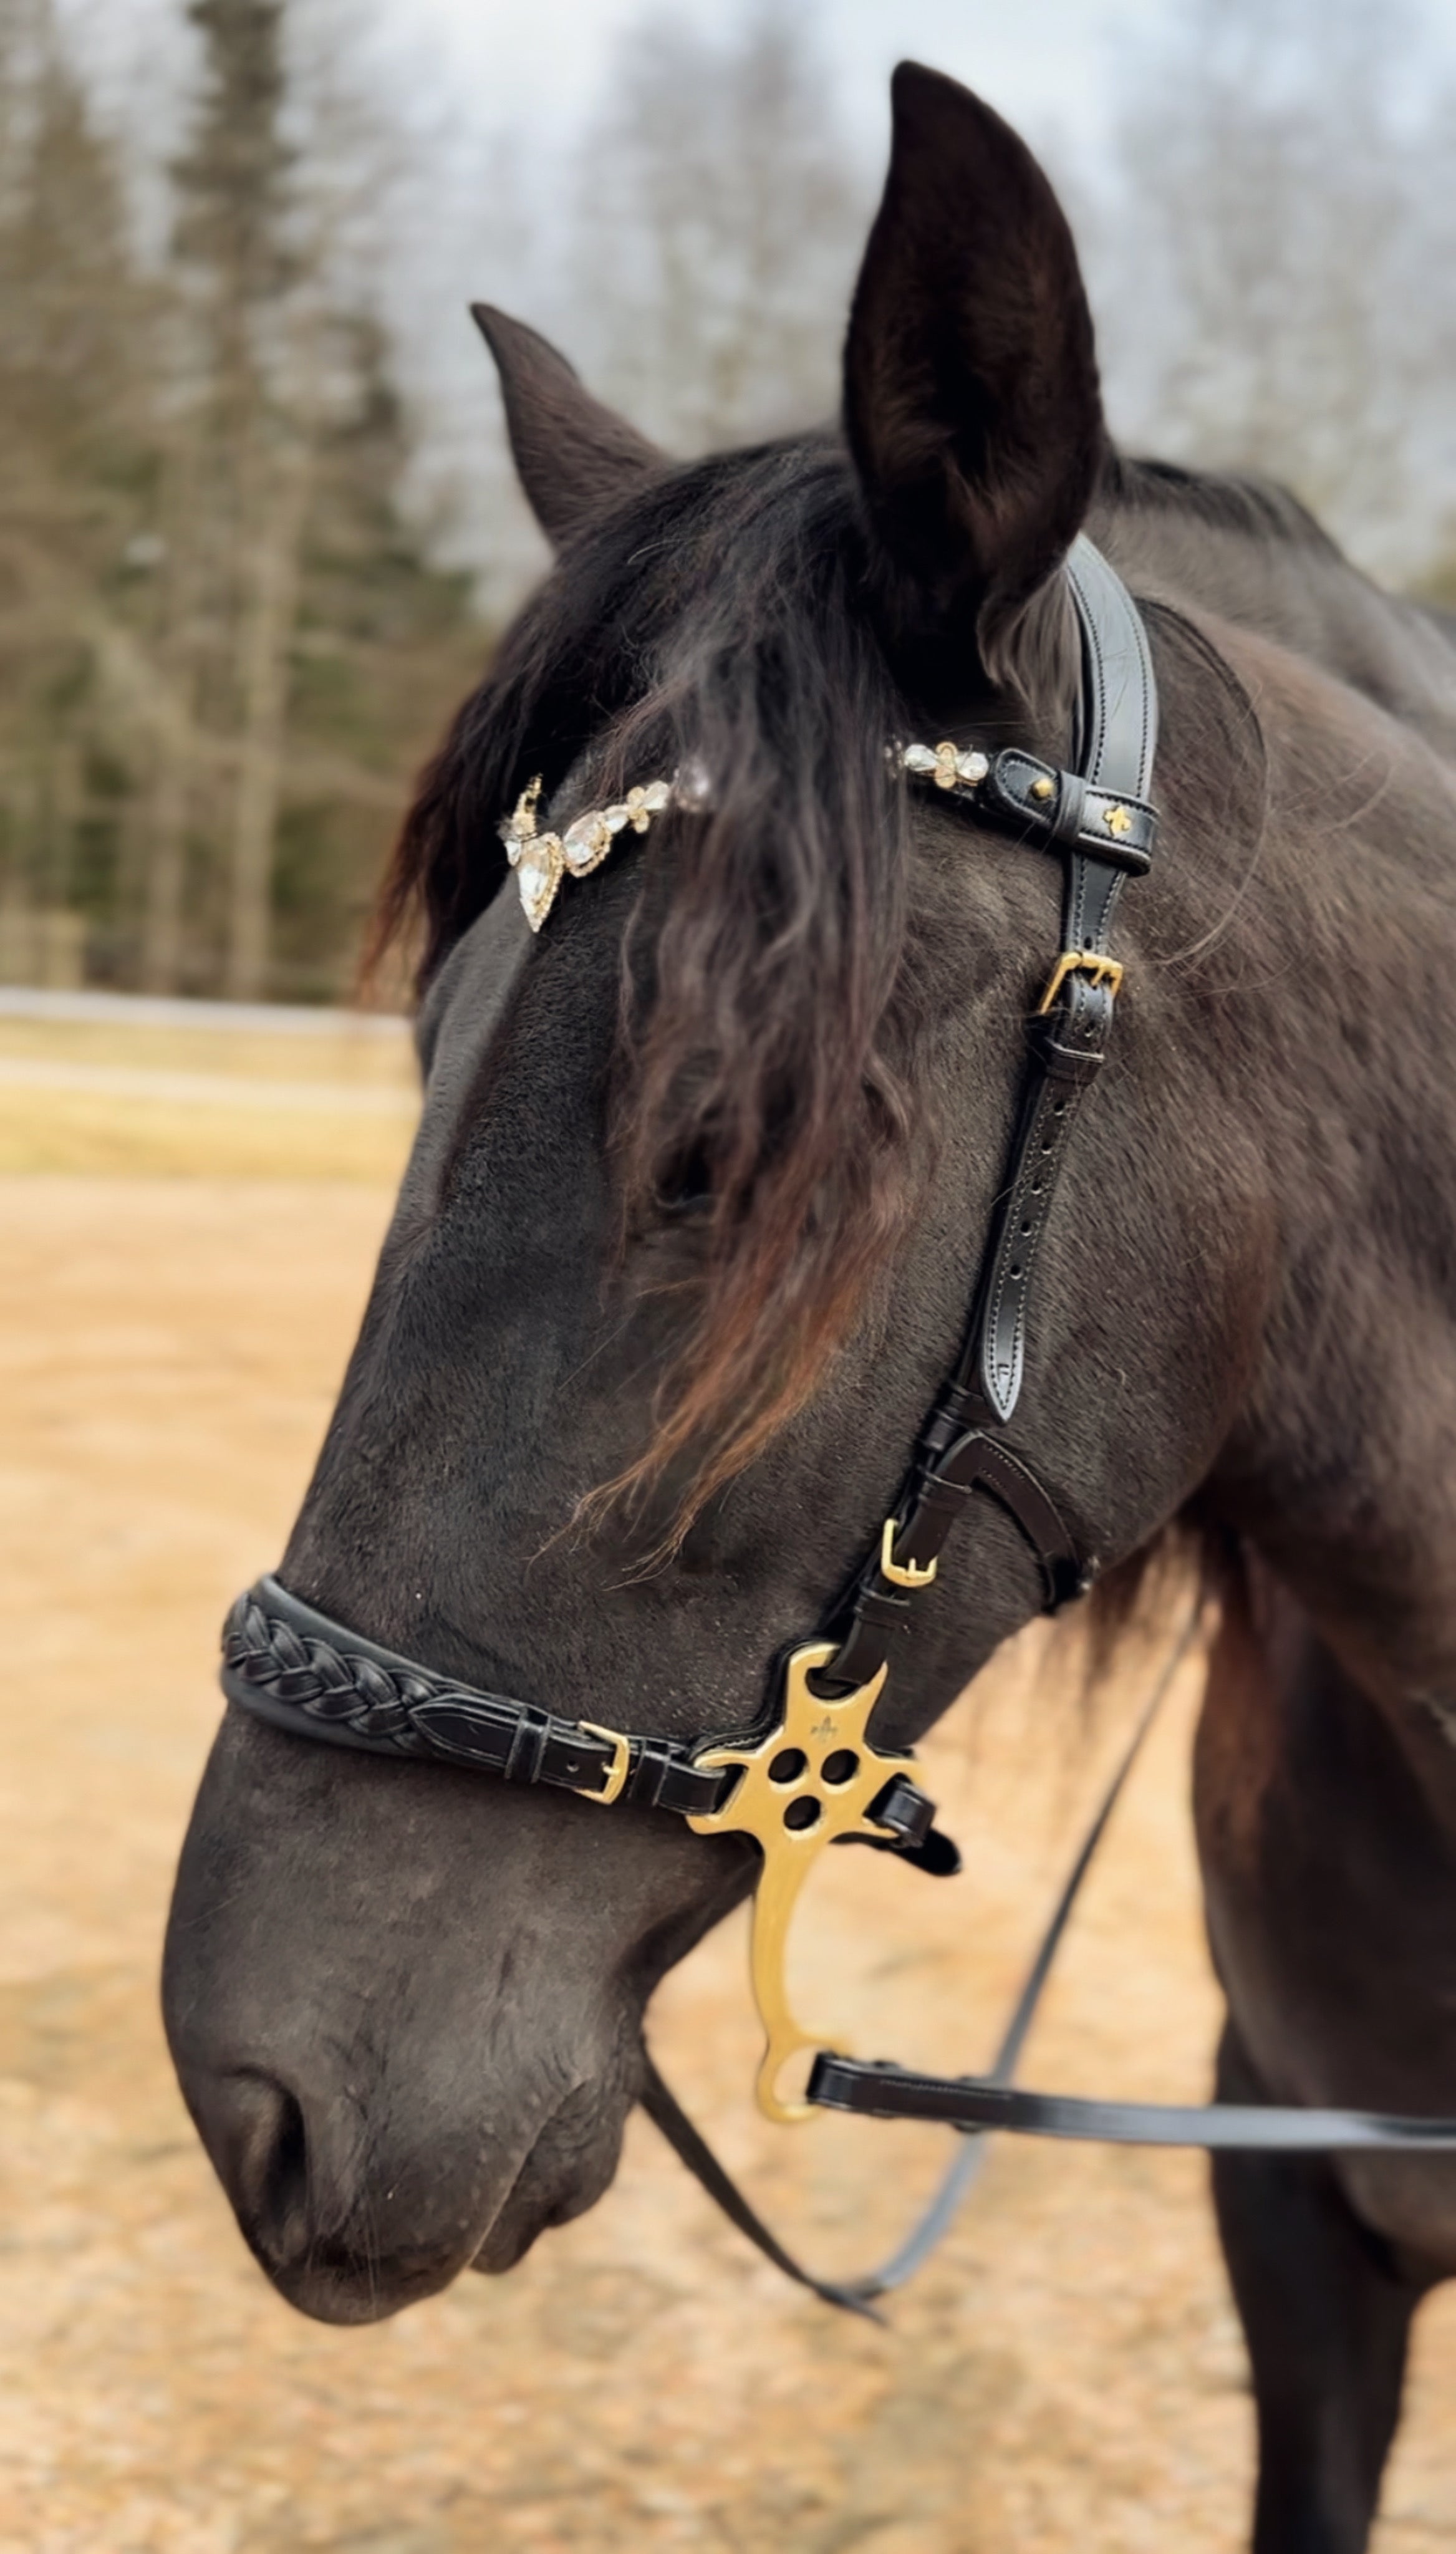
(705, 1172)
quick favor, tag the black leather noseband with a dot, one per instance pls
(292, 1665)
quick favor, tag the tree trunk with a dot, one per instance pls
(263, 686)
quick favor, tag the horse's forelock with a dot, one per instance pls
(769, 1028)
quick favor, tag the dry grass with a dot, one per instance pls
(338, 1103)
(1067, 2375)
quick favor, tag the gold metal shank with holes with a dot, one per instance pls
(1082, 962)
(903, 1573)
(618, 1769)
(828, 1774)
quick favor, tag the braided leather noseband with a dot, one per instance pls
(294, 1667)
(809, 1774)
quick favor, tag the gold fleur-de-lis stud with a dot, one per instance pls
(1117, 820)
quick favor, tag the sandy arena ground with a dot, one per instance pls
(1068, 2373)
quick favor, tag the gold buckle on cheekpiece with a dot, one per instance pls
(903, 1573)
(617, 1771)
(1081, 961)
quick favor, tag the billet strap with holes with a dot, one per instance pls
(1099, 817)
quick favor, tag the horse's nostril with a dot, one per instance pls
(271, 2166)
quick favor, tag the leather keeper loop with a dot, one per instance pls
(1071, 801)
(527, 1747)
(1075, 1065)
(904, 1809)
(1063, 808)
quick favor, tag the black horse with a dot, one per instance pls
(684, 1248)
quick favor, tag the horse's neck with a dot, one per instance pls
(1302, 593)
(1338, 965)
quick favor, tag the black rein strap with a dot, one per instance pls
(880, 2091)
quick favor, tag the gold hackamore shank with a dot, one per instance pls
(810, 1779)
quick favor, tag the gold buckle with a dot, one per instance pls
(903, 1573)
(1081, 961)
(618, 1769)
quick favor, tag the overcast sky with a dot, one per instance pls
(497, 95)
(541, 64)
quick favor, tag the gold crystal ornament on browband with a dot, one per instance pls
(813, 1779)
(949, 767)
(542, 861)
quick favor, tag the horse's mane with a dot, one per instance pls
(1225, 499)
(724, 618)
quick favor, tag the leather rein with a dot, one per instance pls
(807, 1773)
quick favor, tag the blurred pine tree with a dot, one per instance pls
(224, 650)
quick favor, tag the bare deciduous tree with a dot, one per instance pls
(719, 223)
(1278, 284)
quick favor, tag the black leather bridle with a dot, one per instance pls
(310, 1676)
(292, 1665)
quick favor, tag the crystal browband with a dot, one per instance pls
(1016, 786)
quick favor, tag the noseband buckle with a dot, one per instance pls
(1081, 961)
(617, 1771)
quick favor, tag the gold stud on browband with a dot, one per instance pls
(810, 1779)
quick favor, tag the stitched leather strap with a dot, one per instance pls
(292, 1665)
(1119, 720)
(1100, 816)
(1063, 808)
(953, 1460)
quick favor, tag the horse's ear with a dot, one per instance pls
(971, 399)
(574, 456)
